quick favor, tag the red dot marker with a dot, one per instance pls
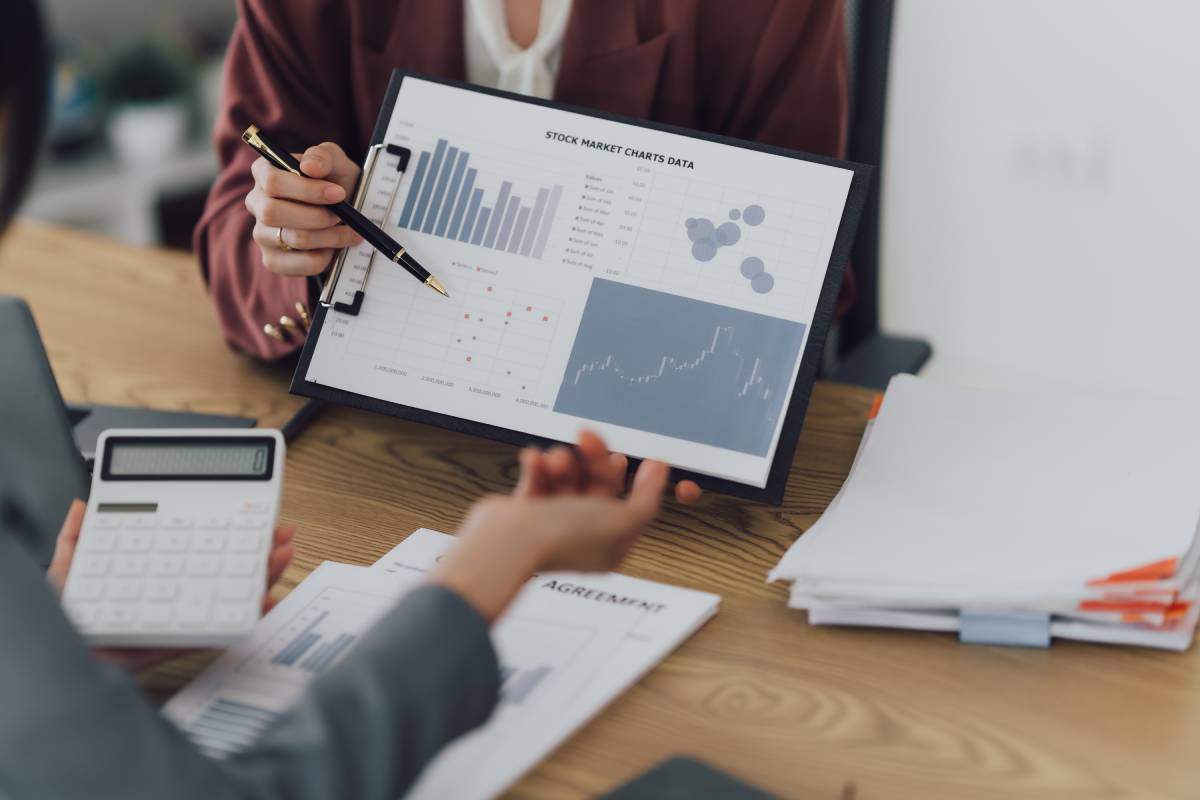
(529, 308)
(508, 314)
(545, 319)
(466, 316)
(468, 358)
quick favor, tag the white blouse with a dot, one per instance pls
(493, 59)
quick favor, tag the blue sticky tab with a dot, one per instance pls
(1012, 628)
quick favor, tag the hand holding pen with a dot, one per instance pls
(291, 192)
(295, 230)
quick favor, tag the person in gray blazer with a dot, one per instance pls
(73, 723)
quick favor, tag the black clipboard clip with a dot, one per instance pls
(352, 308)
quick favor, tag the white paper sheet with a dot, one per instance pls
(668, 615)
(549, 648)
(961, 495)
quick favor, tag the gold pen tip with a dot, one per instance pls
(436, 285)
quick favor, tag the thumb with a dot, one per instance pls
(64, 547)
(645, 496)
(330, 162)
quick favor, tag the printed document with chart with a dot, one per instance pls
(658, 287)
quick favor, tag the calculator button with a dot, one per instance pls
(201, 565)
(155, 616)
(161, 590)
(236, 590)
(193, 615)
(93, 565)
(239, 566)
(86, 589)
(177, 523)
(134, 541)
(118, 614)
(125, 590)
(246, 542)
(231, 616)
(196, 593)
(165, 565)
(100, 541)
(250, 523)
(129, 565)
(212, 523)
(105, 522)
(209, 542)
(142, 523)
(171, 542)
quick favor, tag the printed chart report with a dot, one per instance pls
(656, 287)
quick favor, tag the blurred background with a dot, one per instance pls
(1035, 219)
(135, 97)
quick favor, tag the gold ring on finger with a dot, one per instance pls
(282, 244)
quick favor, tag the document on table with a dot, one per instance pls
(549, 648)
(656, 286)
(568, 646)
(667, 616)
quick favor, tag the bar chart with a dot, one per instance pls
(307, 651)
(444, 200)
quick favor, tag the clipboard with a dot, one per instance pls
(386, 159)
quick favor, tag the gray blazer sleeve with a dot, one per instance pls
(72, 727)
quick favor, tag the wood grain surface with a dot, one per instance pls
(804, 712)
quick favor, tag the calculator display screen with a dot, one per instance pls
(184, 459)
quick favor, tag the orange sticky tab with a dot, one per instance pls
(1108, 605)
(1154, 571)
(875, 406)
(1177, 611)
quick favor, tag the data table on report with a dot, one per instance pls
(657, 287)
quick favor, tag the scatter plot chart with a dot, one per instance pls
(707, 238)
(678, 367)
(486, 334)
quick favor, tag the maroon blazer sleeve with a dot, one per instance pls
(796, 94)
(281, 76)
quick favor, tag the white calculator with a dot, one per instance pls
(174, 546)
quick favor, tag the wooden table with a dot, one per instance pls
(802, 711)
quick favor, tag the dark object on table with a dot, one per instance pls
(683, 778)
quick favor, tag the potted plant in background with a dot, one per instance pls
(148, 91)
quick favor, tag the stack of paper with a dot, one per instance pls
(964, 505)
(568, 646)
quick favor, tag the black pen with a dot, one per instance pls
(347, 213)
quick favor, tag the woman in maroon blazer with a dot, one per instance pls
(314, 71)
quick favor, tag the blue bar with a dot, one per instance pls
(523, 685)
(519, 230)
(463, 197)
(506, 226)
(484, 213)
(439, 153)
(297, 648)
(315, 656)
(411, 201)
(539, 206)
(451, 194)
(501, 203)
(440, 191)
(472, 211)
(334, 650)
(544, 229)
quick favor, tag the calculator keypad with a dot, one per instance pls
(172, 573)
